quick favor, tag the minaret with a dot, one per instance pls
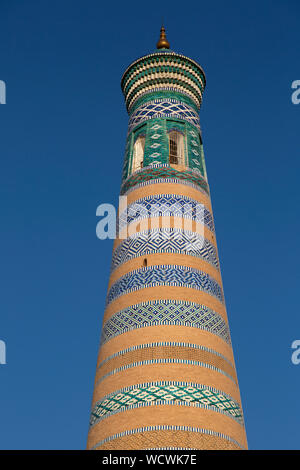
(165, 377)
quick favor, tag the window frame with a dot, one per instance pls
(138, 163)
(180, 147)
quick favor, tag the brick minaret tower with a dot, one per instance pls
(165, 375)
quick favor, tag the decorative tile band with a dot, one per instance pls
(163, 393)
(165, 180)
(173, 96)
(164, 171)
(165, 275)
(164, 66)
(163, 70)
(165, 312)
(166, 205)
(166, 353)
(164, 80)
(163, 108)
(165, 240)
(164, 361)
(164, 344)
(166, 427)
(161, 56)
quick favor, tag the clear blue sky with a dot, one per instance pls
(62, 143)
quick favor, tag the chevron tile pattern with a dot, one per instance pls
(164, 275)
(180, 393)
(163, 108)
(165, 312)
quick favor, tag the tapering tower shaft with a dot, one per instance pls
(165, 375)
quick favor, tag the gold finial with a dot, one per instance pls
(163, 43)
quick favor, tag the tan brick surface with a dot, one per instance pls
(176, 333)
(166, 352)
(167, 438)
(165, 258)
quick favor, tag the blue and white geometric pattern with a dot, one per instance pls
(165, 312)
(166, 205)
(166, 392)
(164, 108)
(165, 275)
(165, 240)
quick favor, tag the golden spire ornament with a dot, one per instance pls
(163, 43)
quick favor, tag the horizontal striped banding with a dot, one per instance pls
(163, 69)
(165, 353)
(165, 374)
(144, 437)
(164, 171)
(165, 240)
(159, 186)
(165, 392)
(165, 275)
(170, 415)
(167, 181)
(165, 205)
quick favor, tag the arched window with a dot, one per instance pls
(176, 148)
(138, 153)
